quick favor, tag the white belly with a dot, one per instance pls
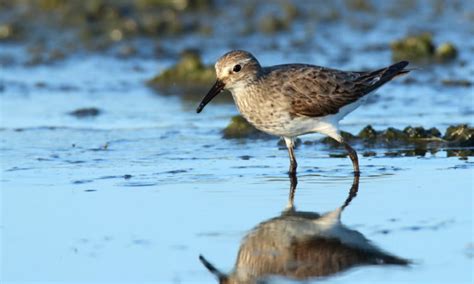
(271, 121)
(328, 125)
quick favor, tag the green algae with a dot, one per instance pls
(460, 135)
(420, 132)
(99, 24)
(345, 135)
(369, 154)
(419, 140)
(360, 5)
(290, 10)
(86, 112)
(463, 154)
(392, 135)
(446, 52)
(338, 155)
(9, 31)
(421, 48)
(455, 136)
(188, 73)
(415, 47)
(271, 23)
(368, 133)
(456, 83)
(239, 128)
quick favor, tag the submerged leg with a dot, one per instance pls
(353, 156)
(336, 135)
(353, 191)
(290, 144)
(291, 196)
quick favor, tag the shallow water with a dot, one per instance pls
(137, 193)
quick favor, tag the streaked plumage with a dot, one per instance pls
(295, 99)
(301, 245)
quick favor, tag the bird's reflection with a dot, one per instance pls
(301, 245)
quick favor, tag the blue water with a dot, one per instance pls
(70, 213)
(135, 194)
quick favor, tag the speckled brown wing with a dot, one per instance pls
(320, 256)
(316, 91)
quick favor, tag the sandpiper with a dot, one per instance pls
(294, 99)
(300, 245)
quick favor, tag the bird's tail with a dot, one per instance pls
(375, 79)
(385, 258)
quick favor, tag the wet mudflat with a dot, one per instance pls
(139, 191)
(107, 179)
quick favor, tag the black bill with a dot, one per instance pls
(215, 90)
(221, 276)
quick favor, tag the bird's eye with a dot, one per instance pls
(237, 68)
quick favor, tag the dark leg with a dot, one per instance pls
(353, 191)
(293, 164)
(290, 145)
(291, 196)
(353, 156)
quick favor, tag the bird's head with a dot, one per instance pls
(234, 69)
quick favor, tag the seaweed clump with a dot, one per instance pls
(273, 23)
(270, 24)
(446, 52)
(98, 25)
(460, 135)
(9, 32)
(86, 112)
(421, 48)
(421, 133)
(458, 140)
(239, 128)
(457, 136)
(391, 137)
(411, 141)
(189, 73)
(348, 137)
